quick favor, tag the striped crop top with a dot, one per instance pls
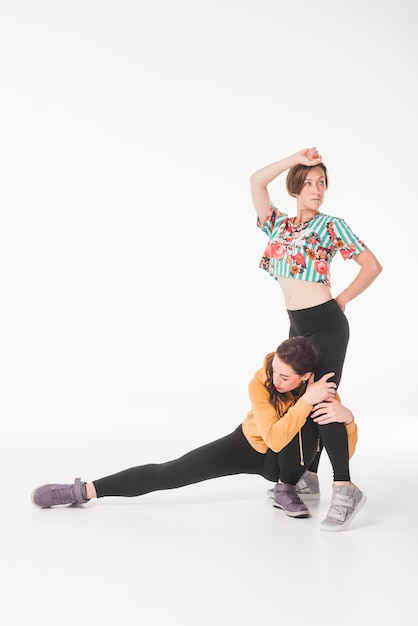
(305, 252)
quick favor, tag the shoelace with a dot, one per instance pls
(293, 497)
(63, 495)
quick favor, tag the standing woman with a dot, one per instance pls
(299, 256)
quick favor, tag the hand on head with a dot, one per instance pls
(309, 156)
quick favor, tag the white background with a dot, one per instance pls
(133, 312)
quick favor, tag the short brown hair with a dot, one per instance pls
(296, 177)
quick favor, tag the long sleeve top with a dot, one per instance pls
(265, 427)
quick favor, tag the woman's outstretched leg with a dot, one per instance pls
(227, 456)
(224, 457)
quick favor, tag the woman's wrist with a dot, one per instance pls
(349, 419)
(305, 397)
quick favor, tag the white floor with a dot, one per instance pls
(214, 553)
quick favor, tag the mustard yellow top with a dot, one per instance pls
(265, 427)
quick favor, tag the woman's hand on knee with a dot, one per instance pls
(331, 411)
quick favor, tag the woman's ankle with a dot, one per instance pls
(90, 491)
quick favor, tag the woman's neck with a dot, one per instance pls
(304, 215)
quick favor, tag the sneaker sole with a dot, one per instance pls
(292, 513)
(302, 496)
(346, 524)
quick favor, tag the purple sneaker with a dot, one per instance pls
(307, 487)
(286, 498)
(53, 495)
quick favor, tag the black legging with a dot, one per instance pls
(227, 456)
(327, 327)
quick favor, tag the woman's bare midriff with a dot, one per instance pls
(302, 294)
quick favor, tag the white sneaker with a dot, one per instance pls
(346, 502)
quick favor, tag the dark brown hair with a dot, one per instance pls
(297, 352)
(296, 177)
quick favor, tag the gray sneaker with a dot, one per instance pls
(286, 498)
(52, 495)
(307, 487)
(346, 502)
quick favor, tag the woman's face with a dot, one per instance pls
(313, 190)
(285, 377)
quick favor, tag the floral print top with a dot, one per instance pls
(305, 252)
